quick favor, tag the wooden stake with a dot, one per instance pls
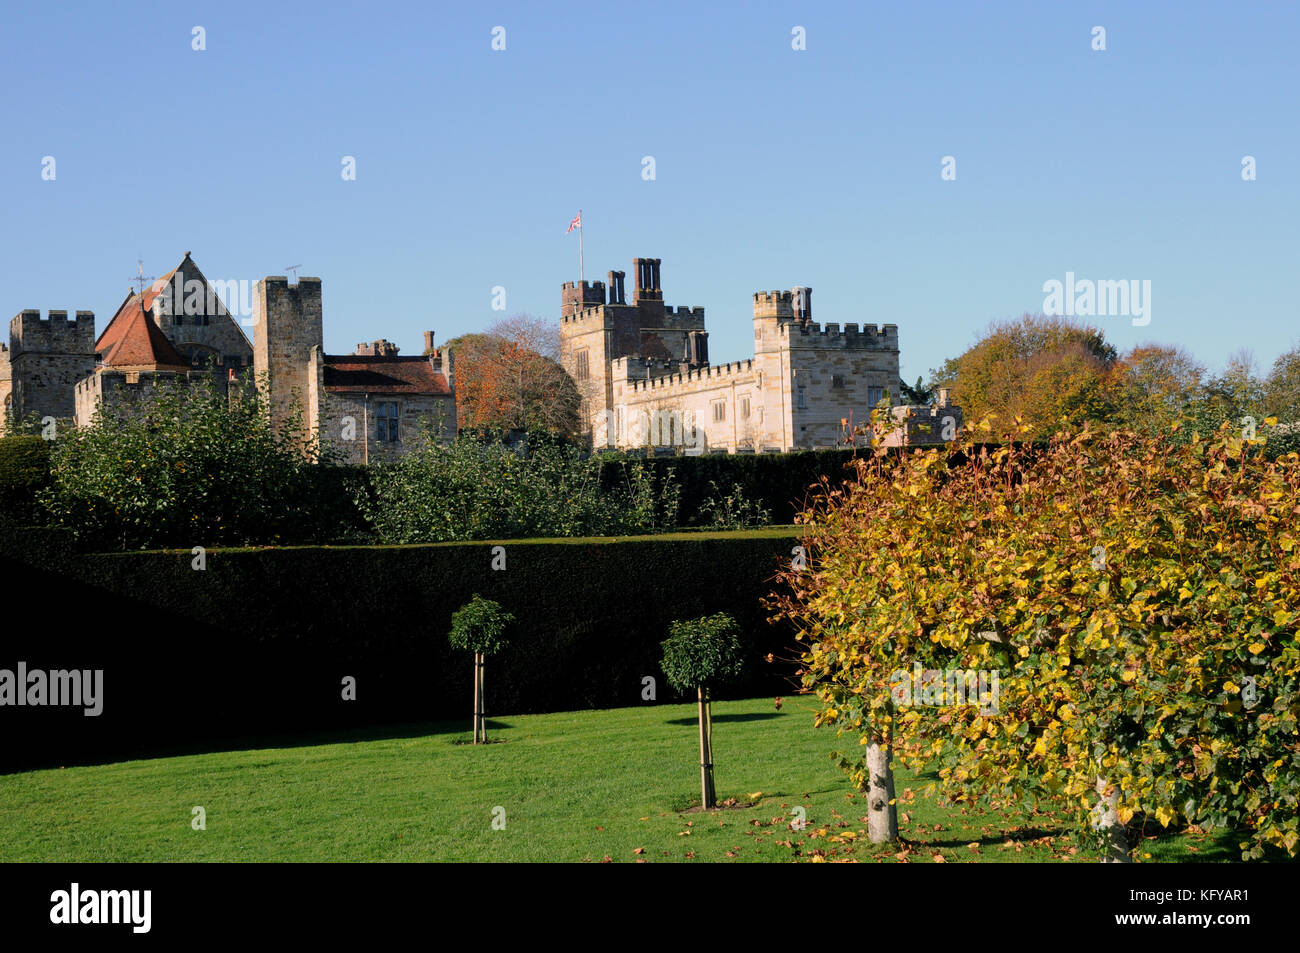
(707, 796)
(708, 737)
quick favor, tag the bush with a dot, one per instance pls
(24, 473)
(777, 483)
(182, 466)
(733, 511)
(474, 489)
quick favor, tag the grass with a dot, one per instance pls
(577, 786)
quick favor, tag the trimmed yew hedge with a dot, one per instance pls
(24, 470)
(260, 641)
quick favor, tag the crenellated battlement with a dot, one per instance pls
(869, 337)
(675, 374)
(773, 304)
(577, 295)
(683, 317)
(55, 334)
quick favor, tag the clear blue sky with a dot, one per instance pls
(774, 167)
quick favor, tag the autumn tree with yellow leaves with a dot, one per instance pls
(1137, 596)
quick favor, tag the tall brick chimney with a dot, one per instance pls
(647, 280)
(615, 283)
(428, 342)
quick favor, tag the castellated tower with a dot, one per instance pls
(819, 379)
(287, 326)
(644, 371)
(47, 358)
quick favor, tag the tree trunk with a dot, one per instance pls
(882, 812)
(706, 764)
(482, 699)
(1106, 820)
(478, 693)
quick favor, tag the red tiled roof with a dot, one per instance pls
(139, 342)
(383, 375)
(114, 330)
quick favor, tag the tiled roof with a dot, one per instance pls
(133, 301)
(139, 342)
(383, 375)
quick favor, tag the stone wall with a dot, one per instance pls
(48, 356)
(193, 317)
(344, 413)
(287, 324)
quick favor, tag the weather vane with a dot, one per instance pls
(140, 279)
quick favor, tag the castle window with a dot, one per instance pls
(803, 402)
(719, 411)
(386, 423)
(875, 395)
(837, 381)
(583, 371)
(744, 408)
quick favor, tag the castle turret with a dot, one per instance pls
(47, 359)
(287, 324)
(577, 296)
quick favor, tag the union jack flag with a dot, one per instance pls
(576, 223)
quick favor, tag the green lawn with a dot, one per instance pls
(577, 786)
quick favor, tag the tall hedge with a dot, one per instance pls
(24, 472)
(260, 640)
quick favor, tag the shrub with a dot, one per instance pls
(733, 511)
(182, 466)
(475, 489)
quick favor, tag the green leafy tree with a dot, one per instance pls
(183, 466)
(704, 654)
(480, 627)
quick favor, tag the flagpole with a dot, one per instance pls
(579, 246)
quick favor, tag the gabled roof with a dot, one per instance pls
(190, 270)
(113, 332)
(138, 342)
(413, 376)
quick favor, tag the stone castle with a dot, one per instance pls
(644, 373)
(369, 405)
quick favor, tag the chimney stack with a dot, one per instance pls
(802, 301)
